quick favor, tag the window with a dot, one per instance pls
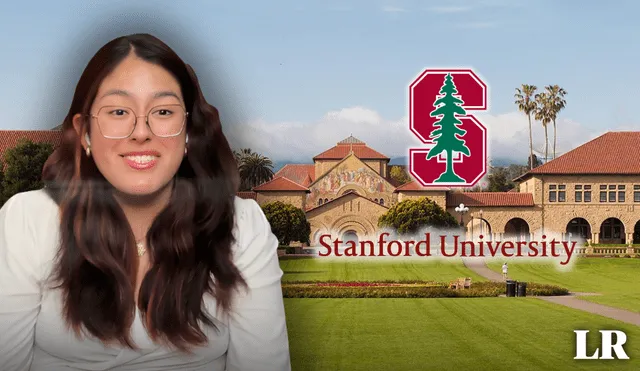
(636, 193)
(615, 193)
(562, 193)
(552, 193)
(587, 193)
(557, 192)
(382, 201)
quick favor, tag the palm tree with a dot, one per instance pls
(527, 104)
(255, 169)
(542, 114)
(239, 155)
(556, 103)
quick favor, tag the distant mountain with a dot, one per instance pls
(399, 161)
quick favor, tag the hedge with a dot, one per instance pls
(407, 289)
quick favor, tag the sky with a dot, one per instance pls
(292, 78)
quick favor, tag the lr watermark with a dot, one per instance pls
(607, 345)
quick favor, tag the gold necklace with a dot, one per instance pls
(141, 248)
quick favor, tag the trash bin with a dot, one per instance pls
(511, 288)
(521, 289)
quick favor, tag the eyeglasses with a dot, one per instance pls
(119, 122)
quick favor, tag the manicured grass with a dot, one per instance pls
(317, 269)
(617, 279)
(446, 334)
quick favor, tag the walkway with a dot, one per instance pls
(572, 301)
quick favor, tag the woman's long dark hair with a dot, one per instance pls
(189, 241)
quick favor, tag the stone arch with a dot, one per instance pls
(517, 229)
(578, 228)
(636, 232)
(352, 187)
(361, 225)
(477, 227)
(317, 229)
(612, 230)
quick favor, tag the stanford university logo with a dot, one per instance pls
(455, 150)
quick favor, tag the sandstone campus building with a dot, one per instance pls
(591, 192)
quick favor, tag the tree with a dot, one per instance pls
(556, 103)
(533, 162)
(446, 137)
(543, 114)
(498, 181)
(525, 99)
(242, 153)
(288, 222)
(254, 168)
(399, 174)
(23, 168)
(1, 180)
(409, 216)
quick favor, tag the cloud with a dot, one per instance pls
(449, 9)
(300, 141)
(393, 9)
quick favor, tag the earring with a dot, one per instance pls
(186, 141)
(88, 150)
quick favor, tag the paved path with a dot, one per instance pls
(480, 267)
(572, 301)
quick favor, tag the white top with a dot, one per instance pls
(33, 333)
(504, 268)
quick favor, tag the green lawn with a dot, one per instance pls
(445, 334)
(617, 279)
(351, 270)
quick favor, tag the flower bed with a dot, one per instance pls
(410, 289)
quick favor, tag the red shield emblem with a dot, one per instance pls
(455, 150)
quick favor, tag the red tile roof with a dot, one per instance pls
(303, 174)
(247, 195)
(359, 148)
(9, 138)
(280, 184)
(610, 153)
(415, 186)
(490, 199)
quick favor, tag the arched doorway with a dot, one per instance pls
(612, 231)
(578, 228)
(479, 227)
(636, 232)
(349, 235)
(517, 229)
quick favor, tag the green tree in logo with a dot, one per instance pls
(446, 136)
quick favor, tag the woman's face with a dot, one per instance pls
(143, 163)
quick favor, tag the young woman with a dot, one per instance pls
(138, 255)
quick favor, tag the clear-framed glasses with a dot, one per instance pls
(119, 122)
